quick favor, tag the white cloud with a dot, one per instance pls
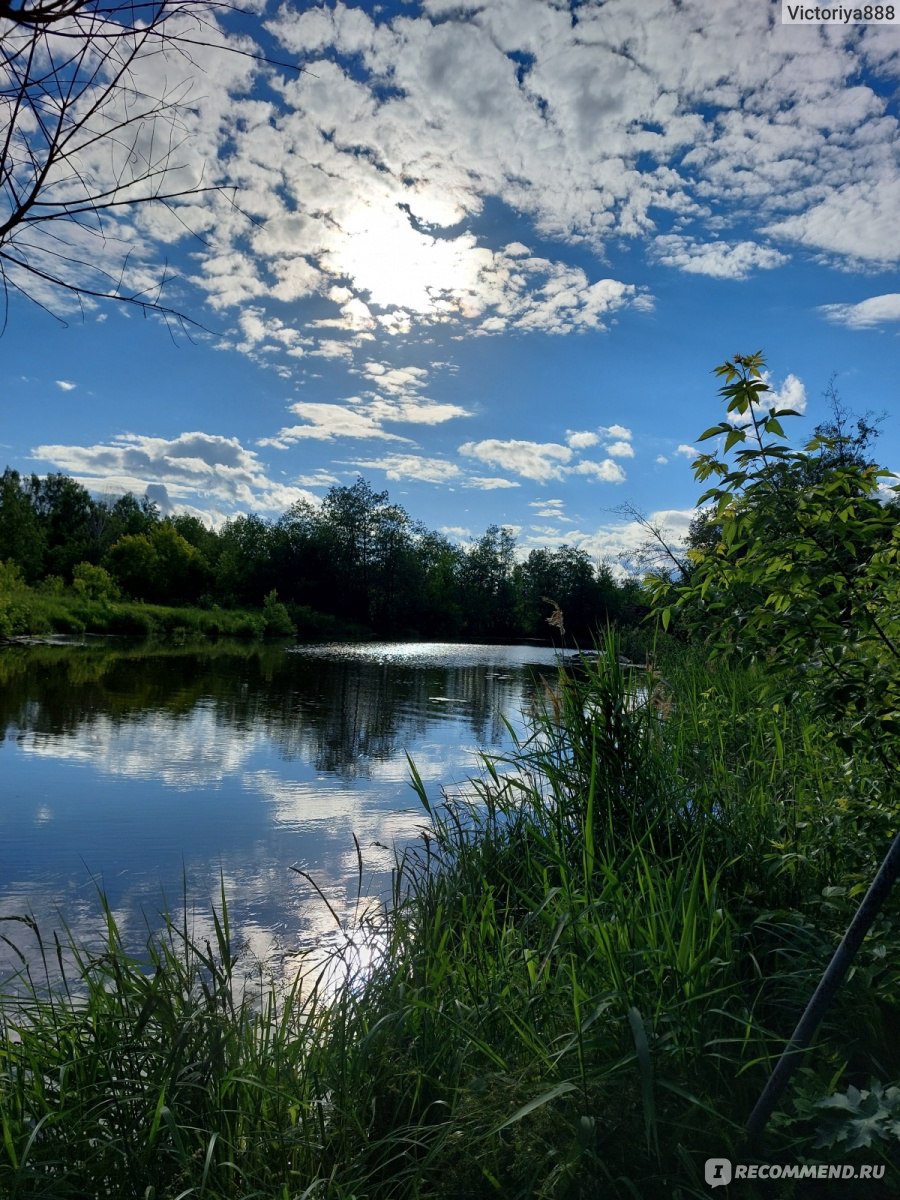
(686, 451)
(620, 450)
(581, 441)
(412, 466)
(548, 508)
(791, 394)
(858, 220)
(66, 385)
(394, 381)
(532, 460)
(615, 542)
(193, 466)
(415, 411)
(661, 459)
(364, 174)
(320, 478)
(617, 431)
(489, 483)
(541, 461)
(719, 260)
(877, 310)
(325, 422)
(364, 417)
(606, 471)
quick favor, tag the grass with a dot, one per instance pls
(584, 976)
(51, 607)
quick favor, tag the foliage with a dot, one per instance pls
(805, 573)
(159, 566)
(94, 583)
(357, 562)
(857, 1118)
(277, 619)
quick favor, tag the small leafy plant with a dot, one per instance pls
(858, 1118)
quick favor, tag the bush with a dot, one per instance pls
(278, 622)
(94, 583)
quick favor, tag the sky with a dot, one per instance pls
(484, 254)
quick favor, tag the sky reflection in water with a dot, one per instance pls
(147, 771)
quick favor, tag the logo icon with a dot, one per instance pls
(717, 1172)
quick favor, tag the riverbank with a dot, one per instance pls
(52, 608)
(578, 990)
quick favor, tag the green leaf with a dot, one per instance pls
(559, 1090)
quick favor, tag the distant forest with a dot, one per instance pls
(357, 561)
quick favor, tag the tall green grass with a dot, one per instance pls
(585, 972)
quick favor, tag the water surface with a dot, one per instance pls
(151, 772)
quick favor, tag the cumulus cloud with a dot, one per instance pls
(548, 508)
(856, 221)
(412, 466)
(365, 174)
(366, 195)
(606, 471)
(66, 385)
(620, 450)
(320, 478)
(719, 260)
(489, 483)
(394, 381)
(540, 461)
(686, 451)
(616, 542)
(326, 422)
(791, 394)
(581, 441)
(866, 314)
(363, 417)
(192, 466)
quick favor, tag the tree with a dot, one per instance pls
(243, 570)
(94, 583)
(657, 553)
(67, 516)
(488, 586)
(566, 576)
(158, 566)
(21, 535)
(350, 517)
(438, 607)
(804, 577)
(806, 565)
(96, 103)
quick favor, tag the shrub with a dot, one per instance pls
(278, 622)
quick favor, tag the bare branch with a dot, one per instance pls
(99, 117)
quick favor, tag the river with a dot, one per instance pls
(160, 774)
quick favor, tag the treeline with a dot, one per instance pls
(356, 561)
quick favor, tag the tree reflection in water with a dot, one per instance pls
(143, 769)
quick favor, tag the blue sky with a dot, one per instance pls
(486, 255)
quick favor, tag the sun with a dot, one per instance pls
(398, 266)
